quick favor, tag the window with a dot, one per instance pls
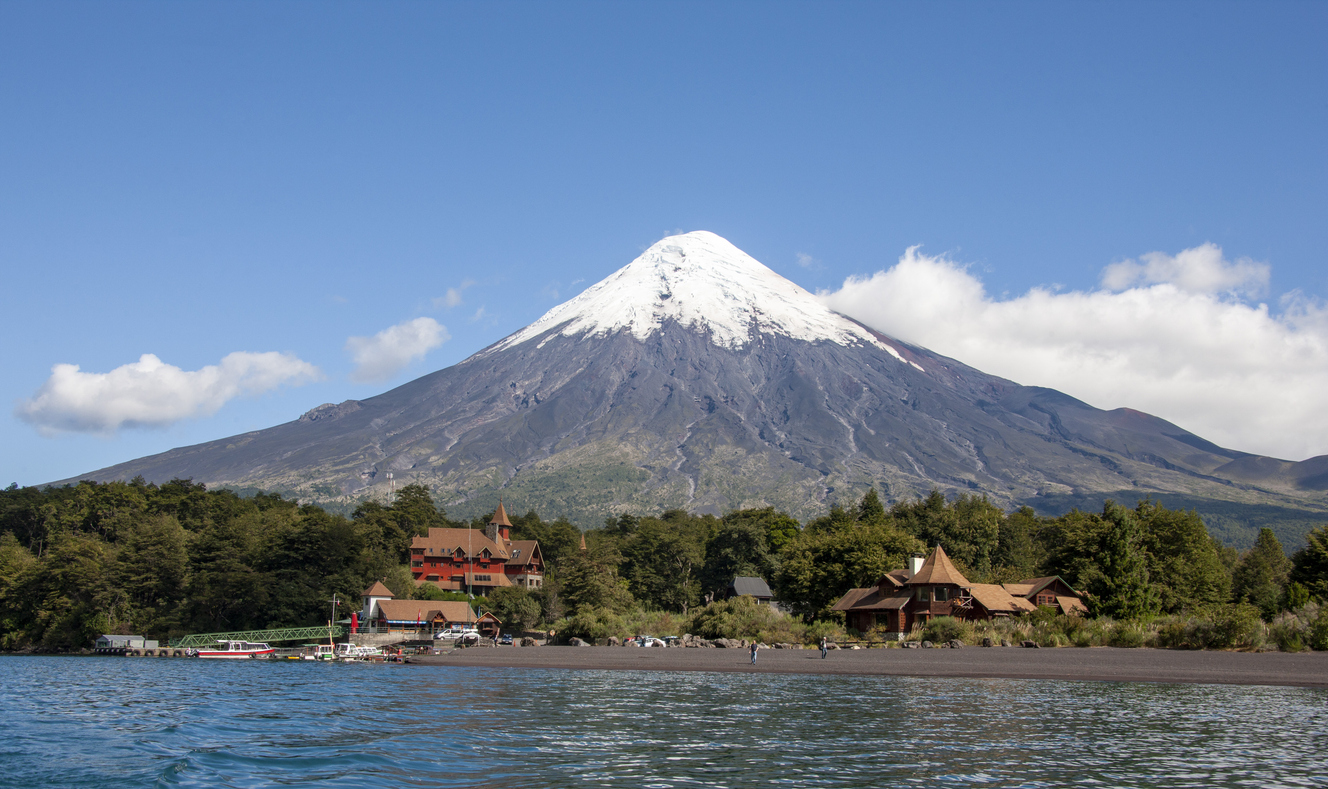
(417, 563)
(924, 594)
(942, 594)
(479, 578)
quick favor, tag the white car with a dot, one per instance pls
(457, 632)
(648, 641)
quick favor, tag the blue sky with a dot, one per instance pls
(262, 182)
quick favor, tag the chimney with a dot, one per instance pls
(914, 564)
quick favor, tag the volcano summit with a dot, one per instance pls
(695, 377)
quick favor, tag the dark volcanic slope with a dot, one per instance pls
(696, 377)
(586, 426)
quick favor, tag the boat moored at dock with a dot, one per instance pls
(236, 649)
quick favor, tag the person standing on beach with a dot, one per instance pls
(753, 648)
(824, 647)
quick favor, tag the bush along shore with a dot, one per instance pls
(165, 560)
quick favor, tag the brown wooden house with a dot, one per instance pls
(1050, 591)
(908, 598)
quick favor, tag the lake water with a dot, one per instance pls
(113, 722)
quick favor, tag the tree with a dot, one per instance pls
(1122, 590)
(738, 548)
(663, 558)
(1310, 564)
(1261, 576)
(1183, 563)
(515, 607)
(819, 566)
(590, 580)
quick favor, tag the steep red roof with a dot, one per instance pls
(446, 542)
(938, 569)
(377, 590)
(500, 516)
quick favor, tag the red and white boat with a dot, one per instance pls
(236, 649)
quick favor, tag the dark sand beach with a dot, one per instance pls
(1305, 669)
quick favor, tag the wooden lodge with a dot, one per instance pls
(907, 598)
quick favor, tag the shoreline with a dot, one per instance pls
(1098, 664)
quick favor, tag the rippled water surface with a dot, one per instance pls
(109, 722)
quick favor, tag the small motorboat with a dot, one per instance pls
(233, 650)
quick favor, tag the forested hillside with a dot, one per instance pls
(164, 560)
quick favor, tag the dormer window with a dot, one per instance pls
(516, 554)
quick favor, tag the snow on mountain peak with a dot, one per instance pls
(704, 283)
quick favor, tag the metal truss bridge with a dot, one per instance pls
(266, 636)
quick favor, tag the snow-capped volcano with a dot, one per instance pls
(695, 377)
(703, 283)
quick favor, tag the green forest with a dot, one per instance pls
(166, 560)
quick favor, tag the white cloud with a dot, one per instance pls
(1168, 335)
(385, 354)
(1198, 270)
(151, 393)
(479, 313)
(453, 296)
(807, 261)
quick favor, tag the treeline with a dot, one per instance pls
(164, 560)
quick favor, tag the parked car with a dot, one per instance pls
(457, 631)
(648, 641)
(505, 639)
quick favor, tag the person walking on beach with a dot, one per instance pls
(753, 648)
(824, 647)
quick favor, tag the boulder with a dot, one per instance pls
(987, 642)
(927, 645)
(1029, 645)
(955, 644)
(529, 642)
(576, 642)
(1005, 642)
(614, 641)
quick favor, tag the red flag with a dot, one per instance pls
(354, 621)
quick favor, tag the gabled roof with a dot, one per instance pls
(1018, 590)
(1071, 606)
(471, 542)
(898, 577)
(500, 516)
(377, 590)
(523, 552)
(995, 599)
(938, 569)
(751, 585)
(1038, 584)
(408, 610)
(871, 599)
(426, 610)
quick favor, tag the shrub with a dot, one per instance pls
(945, 628)
(592, 624)
(1318, 631)
(1127, 635)
(1235, 626)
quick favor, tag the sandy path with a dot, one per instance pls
(1102, 663)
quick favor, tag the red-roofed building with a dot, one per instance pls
(462, 560)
